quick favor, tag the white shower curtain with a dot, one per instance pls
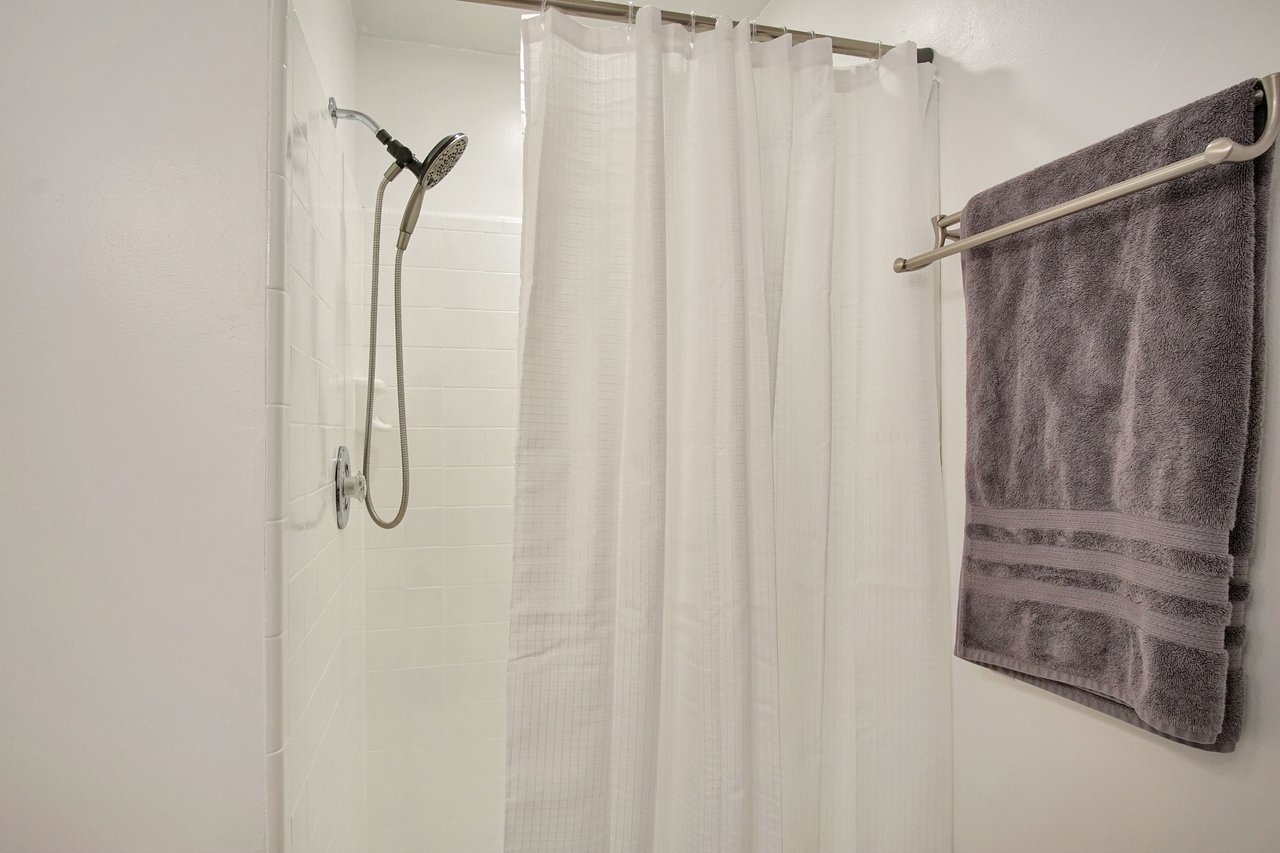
(729, 624)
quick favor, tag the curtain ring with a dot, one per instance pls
(753, 29)
(879, 50)
(631, 13)
(693, 28)
(543, 10)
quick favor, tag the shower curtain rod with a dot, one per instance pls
(759, 32)
(1221, 150)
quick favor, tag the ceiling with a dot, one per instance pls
(495, 29)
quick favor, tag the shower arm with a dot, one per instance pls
(336, 112)
(400, 153)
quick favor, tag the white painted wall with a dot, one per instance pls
(132, 247)
(1023, 83)
(419, 93)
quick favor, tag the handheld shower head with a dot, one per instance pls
(442, 159)
(430, 171)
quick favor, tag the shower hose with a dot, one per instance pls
(373, 362)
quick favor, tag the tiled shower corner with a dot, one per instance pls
(315, 738)
(386, 650)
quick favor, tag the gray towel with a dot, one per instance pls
(1114, 402)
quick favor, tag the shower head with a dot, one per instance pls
(430, 171)
(442, 158)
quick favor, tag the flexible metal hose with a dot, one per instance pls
(373, 361)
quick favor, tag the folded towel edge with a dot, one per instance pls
(1091, 694)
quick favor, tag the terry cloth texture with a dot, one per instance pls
(1114, 405)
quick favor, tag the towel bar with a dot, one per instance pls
(1221, 150)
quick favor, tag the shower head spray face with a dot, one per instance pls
(431, 171)
(441, 160)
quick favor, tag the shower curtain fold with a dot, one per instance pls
(729, 624)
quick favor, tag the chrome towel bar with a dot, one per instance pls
(1221, 150)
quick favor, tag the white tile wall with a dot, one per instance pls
(321, 604)
(439, 586)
